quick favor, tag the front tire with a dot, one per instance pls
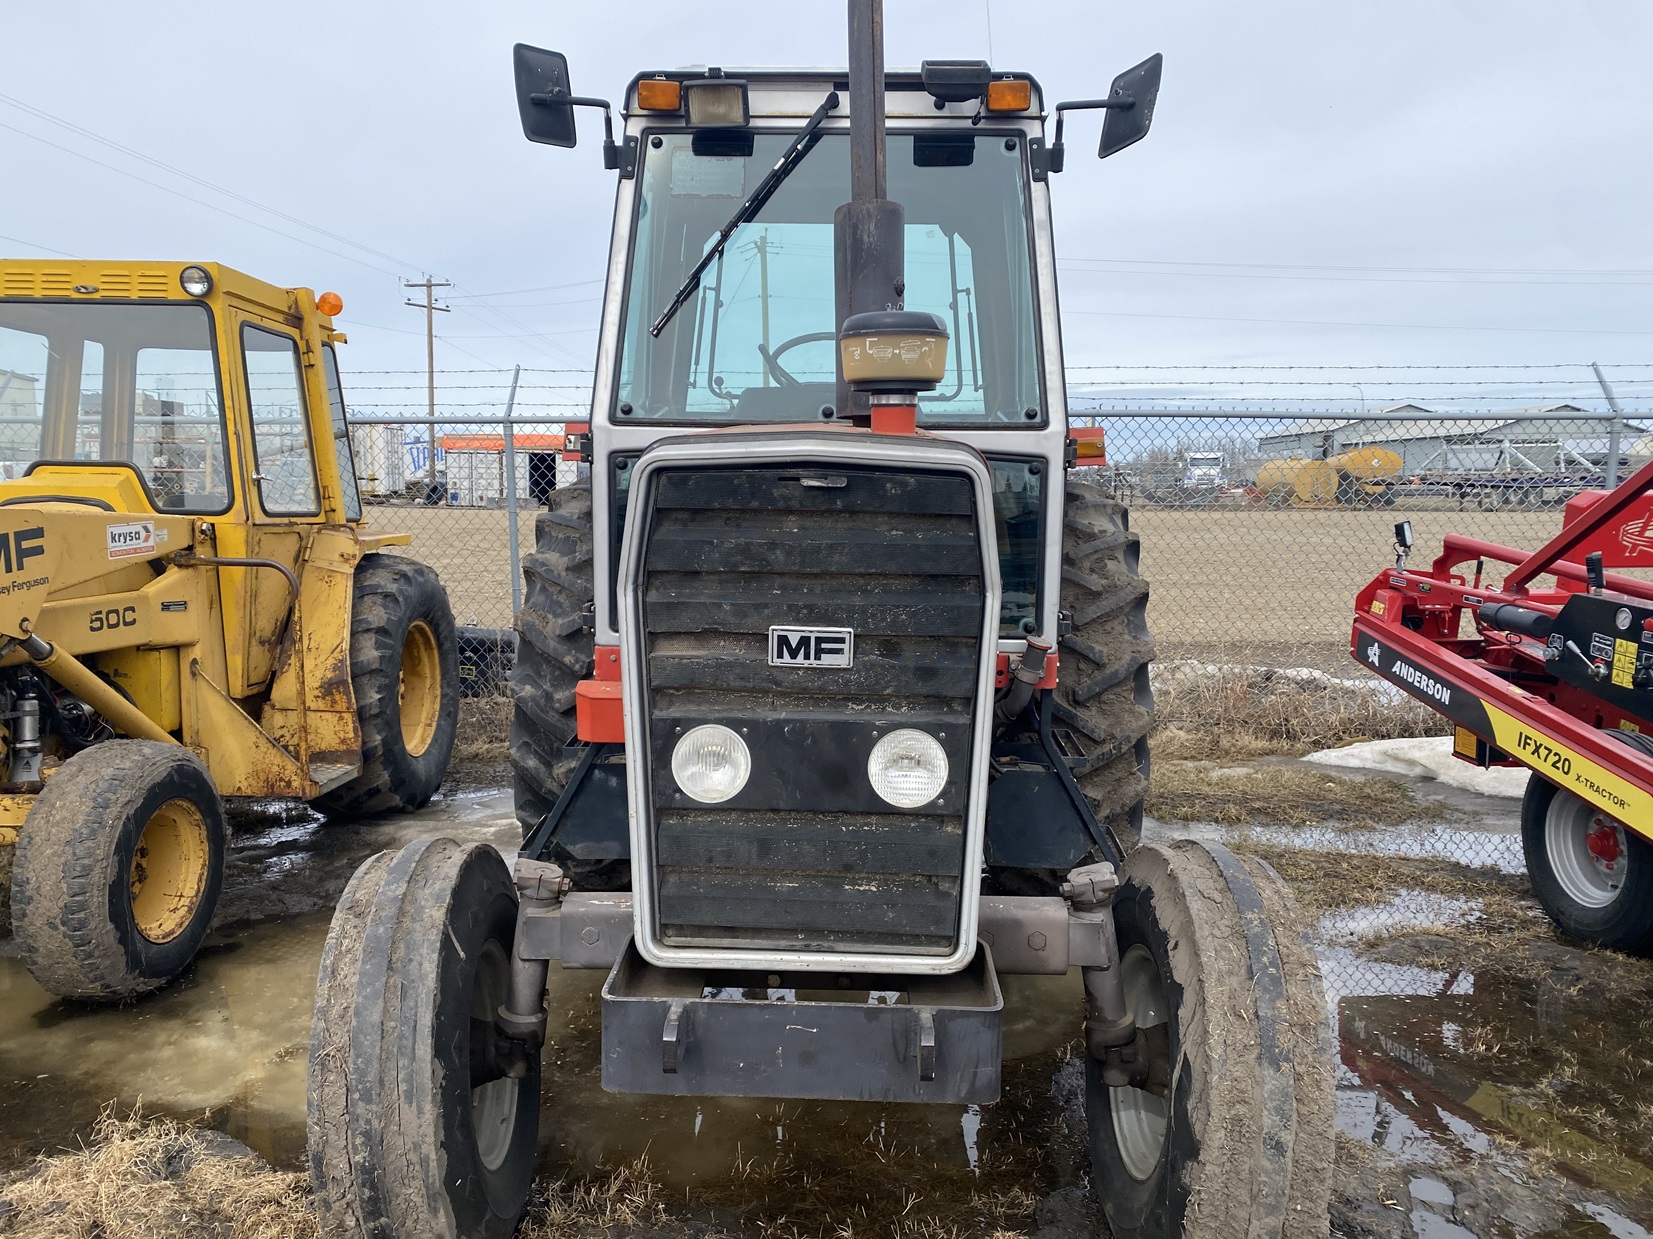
(411, 1132)
(118, 869)
(1241, 1141)
(404, 668)
(1592, 874)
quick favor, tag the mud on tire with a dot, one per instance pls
(118, 869)
(1102, 689)
(400, 618)
(1245, 1135)
(400, 1141)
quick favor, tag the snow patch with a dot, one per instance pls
(1428, 757)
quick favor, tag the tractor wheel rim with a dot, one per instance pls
(1589, 875)
(419, 691)
(1139, 1117)
(168, 876)
(494, 1103)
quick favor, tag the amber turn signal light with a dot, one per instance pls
(658, 95)
(1009, 95)
(330, 304)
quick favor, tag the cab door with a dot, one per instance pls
(283, 496)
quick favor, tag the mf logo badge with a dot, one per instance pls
(811, 647)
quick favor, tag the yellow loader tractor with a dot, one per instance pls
(190, 608)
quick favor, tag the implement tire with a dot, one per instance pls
(1211, 944)
(1593, 874)
(405, 1136)
(555, 648)
(404, 667)
(118, 869)
(1102, 689)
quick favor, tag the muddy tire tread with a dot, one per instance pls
(1102, 691)
(390, 592)
(62, 872)
(1258, 1101)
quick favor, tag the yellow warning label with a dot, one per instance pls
(1624, 663)
(1567, 768)
(1465, 742)
(1377, 606)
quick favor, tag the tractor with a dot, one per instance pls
(190, 606)
(831, 696)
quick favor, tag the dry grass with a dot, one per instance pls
(484, 730)
(1273, 796)
(774, 1198)
(1326, 881)
(1235, 712)
(153, 1178)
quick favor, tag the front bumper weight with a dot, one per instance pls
(721, 1033)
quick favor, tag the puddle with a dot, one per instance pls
(1448, 1080)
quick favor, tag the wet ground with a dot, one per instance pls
(1490, 1101)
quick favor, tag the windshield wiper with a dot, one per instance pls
(794, 155)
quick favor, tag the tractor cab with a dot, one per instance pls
(172, 388)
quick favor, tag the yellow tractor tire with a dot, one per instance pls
(118, 870)
(404, 667)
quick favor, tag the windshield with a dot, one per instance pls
(755, 342)
(109, 382)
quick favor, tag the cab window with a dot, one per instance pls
(341, 435)
(282, 463)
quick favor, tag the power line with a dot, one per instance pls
(518, 292)
(1286, 266)
(36, 246)
(211, 206)
(198, 180)
(1069, 265)
(1312, 322)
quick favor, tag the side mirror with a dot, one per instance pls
(544, 99)
(1137, 89)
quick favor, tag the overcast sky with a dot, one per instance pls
(1453, 182)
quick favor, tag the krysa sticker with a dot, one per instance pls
(136, 538)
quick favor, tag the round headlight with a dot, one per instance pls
(195, 281)
(711, 763)
(908, 768)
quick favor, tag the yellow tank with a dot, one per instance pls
(1298, 483)
(1367, 464)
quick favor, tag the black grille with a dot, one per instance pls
(807, 856)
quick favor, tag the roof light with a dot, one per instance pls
(330, 304)
(1010, 95)
(716, 103)
(195, 281)
(656, 94)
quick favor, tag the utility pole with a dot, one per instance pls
(429, 306)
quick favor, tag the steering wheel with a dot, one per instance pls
(772, 356)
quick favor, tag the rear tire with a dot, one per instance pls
(404, 668)
(1241, 1144)
(118, 869)
(1601, 894)
(555, 649)
(1102, 689)
(401, 1143)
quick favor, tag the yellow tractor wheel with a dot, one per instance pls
(404, 667)
(118, 870)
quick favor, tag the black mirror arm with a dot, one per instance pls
(1058, 152)
(556, 98)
